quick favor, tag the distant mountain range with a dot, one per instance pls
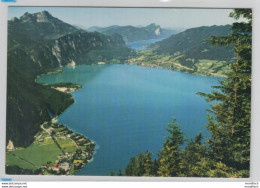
(38, 43)
(131, 33)
(193, 43)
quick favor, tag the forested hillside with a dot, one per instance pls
(192, 43)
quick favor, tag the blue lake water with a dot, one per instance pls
(141, 45)
(126, 108)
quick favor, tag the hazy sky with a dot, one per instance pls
(165, 17)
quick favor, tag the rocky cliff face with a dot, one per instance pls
(158, 31)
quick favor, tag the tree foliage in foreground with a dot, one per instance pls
(230, 129)
(227, 152)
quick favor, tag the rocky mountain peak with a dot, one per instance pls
(157, 31)
(43, 16)
(14, 19)
(152, 26)
(26, 17)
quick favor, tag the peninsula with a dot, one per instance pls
(64, 151)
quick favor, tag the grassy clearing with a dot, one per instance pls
(68, 145)
(13, 160)
(213, 66)
(58, 129)
(50, 148)
(37, 153)
(41, 151)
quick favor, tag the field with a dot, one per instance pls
(216, 68)
(13, 160)
(35, 155)
(43, 151)
(68, 145)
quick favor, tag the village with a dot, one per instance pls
(69, 161)
(74, 150)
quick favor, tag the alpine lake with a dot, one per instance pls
(125, 109)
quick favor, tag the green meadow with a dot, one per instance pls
(68, 145)
(40, 152)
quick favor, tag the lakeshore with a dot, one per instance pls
(63, 164)
(56, 150)
(119, 103)
(203, 67)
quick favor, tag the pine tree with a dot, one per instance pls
(130, 169)
(136, 166)
(230, 128)
(148, 164)
(111, 173)
(155, 167)
(194, 161)
(170, 155)
(119, 173)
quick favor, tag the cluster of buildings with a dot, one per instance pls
(57, 168)
(75, 160)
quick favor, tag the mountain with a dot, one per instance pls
(37, 44)
(40, 25)
(192, 43)
(131, 33)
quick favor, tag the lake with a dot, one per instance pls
(141, 45)
(125, 109)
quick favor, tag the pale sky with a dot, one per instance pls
(165, 17)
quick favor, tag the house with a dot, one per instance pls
(56, 167)
(10, 146)
(65, 166)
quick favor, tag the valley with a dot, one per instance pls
(67, 85)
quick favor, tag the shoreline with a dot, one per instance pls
(66, 163)
(80, 163)
(160, 67)
(70, 152)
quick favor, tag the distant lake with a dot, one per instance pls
(141, 45)
(126, 108)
